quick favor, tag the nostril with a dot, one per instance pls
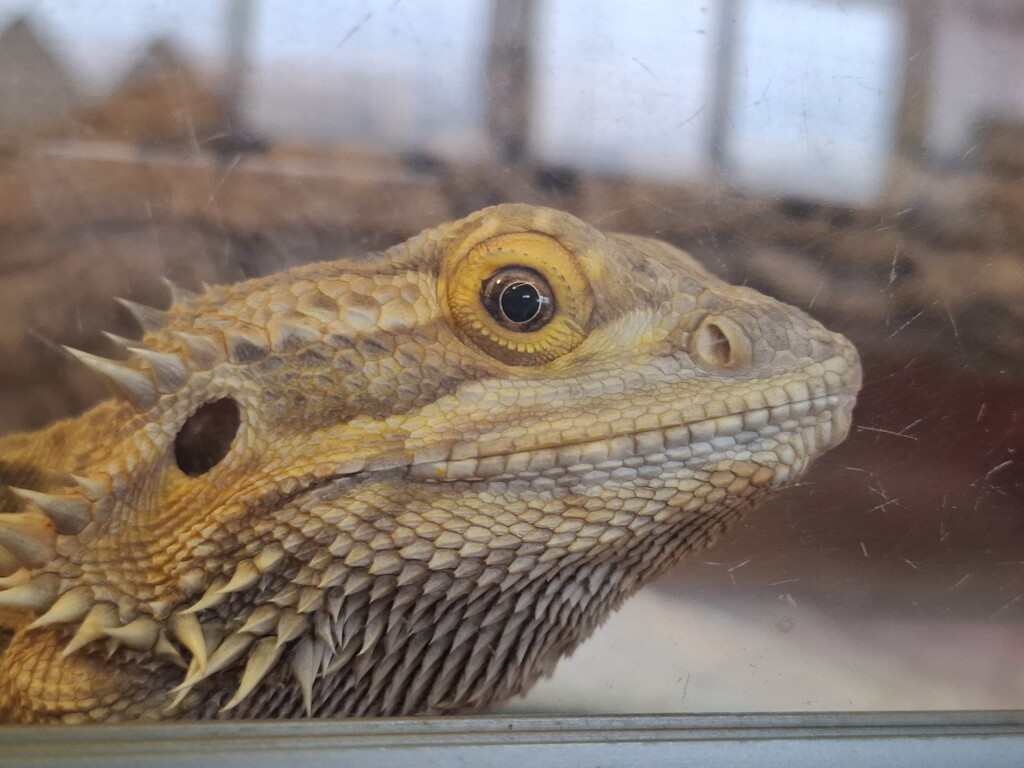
(206, 437)
(720, 344)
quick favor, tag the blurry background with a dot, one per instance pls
(862, 159)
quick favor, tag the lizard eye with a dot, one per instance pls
(518, 298)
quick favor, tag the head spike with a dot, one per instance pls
(261, 620)
(268, 557)
(228, 652)
(70, 607)
(185, 627)
(290, 626)
(168, 650)
(135, 385)
(245, 575)
(94, 626)
(18, 577)
(261, 660)
(9, 564)
(203, 351)
(36, 595)
(69, 514)
(168, 370)
(27, 536)
(333, 575)
(305, 661)
(177, 292)
(193, 675)
(212, 597)
(121, 341)
(324, 629)
(139, 634)
(310, 599)
(148, 318)
(94, 490)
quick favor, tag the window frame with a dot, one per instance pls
(935, 739)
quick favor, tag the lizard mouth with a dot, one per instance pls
(810, 426)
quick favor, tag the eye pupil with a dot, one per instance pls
(519, 298)
(521, 302)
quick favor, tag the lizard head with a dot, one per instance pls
(402, 483)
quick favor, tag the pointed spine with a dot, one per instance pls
(261, 621)
(94, 626)
(290, 625)
(9, 564)
(264, 655)
(268, 558)
(185, 627)
(70, 607)
(28, 537)
(94, 490)
(15, 579)
(148, 318)
(121, 341)
(203, 352)
(304, 663)
(166, 649)
(69, 514)
(177, 292)
(135, 385)
(169, 372)
(210, 599)
(139, 634)
(36, 595)
(245, 575)
(228, 652)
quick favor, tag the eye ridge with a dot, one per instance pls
(519, 298)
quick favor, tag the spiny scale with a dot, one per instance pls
(69, 514)
(148, 318)
(213, 597)
(121, 341)
(139, 634)
(177, 292)
(186, 628)
(15, 579)
(35, 595)
(203, 351)
(262, 658)
(304, 662)
(28, 537)
(100, 618)
(94, 490)
(70, 607)
(229, 651)
(245, 575)
(169, 372)
(135, 385)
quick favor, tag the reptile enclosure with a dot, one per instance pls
(891, 579)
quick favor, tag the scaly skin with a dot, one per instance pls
(401, 502)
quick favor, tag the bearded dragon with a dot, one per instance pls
(400, 484)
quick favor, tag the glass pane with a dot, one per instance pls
(860, 160)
